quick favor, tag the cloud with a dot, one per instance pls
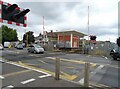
(73, 15)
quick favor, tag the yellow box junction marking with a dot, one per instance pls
(74, 61)
(16, 73)
(64, 75)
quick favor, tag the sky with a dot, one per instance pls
(71, 15)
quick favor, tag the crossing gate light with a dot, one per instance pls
(12, 14)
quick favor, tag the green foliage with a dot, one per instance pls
(28, 37)
(8, 34)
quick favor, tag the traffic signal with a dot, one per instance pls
(13, 14)
(118, 41)
(92, 37)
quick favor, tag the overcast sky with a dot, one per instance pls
(71, 15)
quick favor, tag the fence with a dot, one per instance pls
(102, 49)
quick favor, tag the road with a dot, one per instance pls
(103, 70)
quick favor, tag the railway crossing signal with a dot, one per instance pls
(12, 14)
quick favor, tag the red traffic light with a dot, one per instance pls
(20, 14)
(93, 37)
(12, 14)
(11, 8)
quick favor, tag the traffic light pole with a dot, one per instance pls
(26, 40)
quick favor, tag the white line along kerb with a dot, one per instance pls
(27, 81)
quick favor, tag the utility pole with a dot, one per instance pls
(88, 49)
(43, 32)
(88, 25)
(26, 38)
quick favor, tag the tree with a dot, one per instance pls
(8, 34)
(28, 37)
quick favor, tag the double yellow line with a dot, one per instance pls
(63, 75)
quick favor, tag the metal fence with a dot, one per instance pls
(102, 49)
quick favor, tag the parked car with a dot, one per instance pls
(16, 44)
(1, 47)
(19, 46)
(115, 53)
(6, 44)
(35, 48)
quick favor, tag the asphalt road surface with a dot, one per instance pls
(103, 71)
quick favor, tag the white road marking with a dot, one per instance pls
(50, 57)
(100, 67)
(81, 81)
(13, 51)
(92, 73)
(106, 58)
(27, 81)
(10, 86)
(12, 63)
(43, 76)
(1, 77)
(42, 61)
(31, 55)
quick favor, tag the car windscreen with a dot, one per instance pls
(37, 46)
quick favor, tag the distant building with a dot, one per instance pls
(66, 39)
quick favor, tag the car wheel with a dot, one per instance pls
(115, 58)
(35, 52)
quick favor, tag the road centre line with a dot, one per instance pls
(43, 76)
(27, 81)
(42, 61)
(15, 73)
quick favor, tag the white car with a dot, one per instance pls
(1, 47)
(35, 48)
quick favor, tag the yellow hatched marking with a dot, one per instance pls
(64, 76)
(75, 61)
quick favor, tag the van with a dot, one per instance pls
(6, 44)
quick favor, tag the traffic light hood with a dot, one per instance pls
(11, 8)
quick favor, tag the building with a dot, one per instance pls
(66, 39)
